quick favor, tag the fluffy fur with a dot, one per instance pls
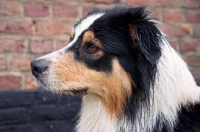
(128, 75)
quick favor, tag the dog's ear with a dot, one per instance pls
(145, 34)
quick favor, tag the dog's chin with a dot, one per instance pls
(44, 84)
(77, 92)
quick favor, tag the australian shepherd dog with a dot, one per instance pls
(129, 77)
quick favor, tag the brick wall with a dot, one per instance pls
(31, 28)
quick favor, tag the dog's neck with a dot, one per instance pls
(174, 87)
(94, 116)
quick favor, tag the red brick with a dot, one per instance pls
(31, 83)
(52, 28)
(188, 28)
(149, 2)
(197, 31)
(196, 74)
(10, 82)
(2, 25)
(193, 16)
(11, 45)
(36, 10)
(193, 61)
(89, 9)
(138, 2)
(174, 44)
(2, 64)
(56, 0)
(100, 1)
(188, 45)
(41, 46)
(171, 30)
(179, 3)
(160, 2)
(173, 16)
(21, 63)
(61, 44)
(192, 3)
(19, 27)
(86, 10)
(65, 11)
(9, 7)
(154, 13)
(187, 3)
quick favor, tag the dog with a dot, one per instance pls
(129, 77)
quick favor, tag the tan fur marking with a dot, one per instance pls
(133, 35)
(112, 89)
(97, 55)
(118, 89)
(72, 34)
(88, 36)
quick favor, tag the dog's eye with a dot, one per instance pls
(91, 48)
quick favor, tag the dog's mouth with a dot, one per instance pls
(76, 92)
(45, 83)
(41, 82)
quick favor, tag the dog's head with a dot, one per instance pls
(111, 54)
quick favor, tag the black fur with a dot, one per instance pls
(188, 119)
(141, 62)
(113, 32)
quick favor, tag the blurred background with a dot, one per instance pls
(32, 28)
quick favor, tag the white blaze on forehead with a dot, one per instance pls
(82, 26)
(85, 24)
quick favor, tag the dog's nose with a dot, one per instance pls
(38, 67)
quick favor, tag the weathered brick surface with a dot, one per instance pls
(193, 60)
(197, 31)
(155, 13)
(192, 3)
(196, 73)
(174, 44)
(2, 25)
(149, 2)
(171, 15)
(193, 16)
(18, 27)
(11, 45)
(9, 8)
(62, 43)
(10, 82)
(21, 63)
(3, 64)
(100, 1)
(40, 46)
(187, 3)
(22, 111)
(36, 10)
(174, 31)
(65, 11)
(188, 45)
(32, 28)
(46, 28)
